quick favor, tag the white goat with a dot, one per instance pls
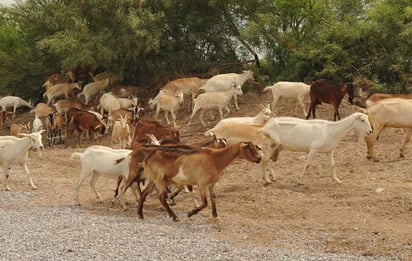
(15, 102)
(101, 161)
(169, 103)
(311, 136)
(93, 88)
(37, 123)
(59, 90)
(121, 133)
(109, 103)
(127, 103)
(297, 91)
(213, 100)
(15, 151)
(223, 82)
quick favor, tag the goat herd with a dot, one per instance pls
(153, 157)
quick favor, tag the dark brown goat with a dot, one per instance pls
(144, 127)
(329, 92)
(83, 121)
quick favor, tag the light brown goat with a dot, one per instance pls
(62, 106)
(121, 133)
(54, 127)
(201, 167)
(16, 129)
(42, 109)
(59, 90)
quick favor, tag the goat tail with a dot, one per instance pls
(75, 155)
(267, 88)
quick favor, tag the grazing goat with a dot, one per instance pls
(297, 91)
(394, 113)
(62, 106)
(329, 92)
(377, 97)
(15, 102)
(94, 88)
(144, 127)
(15, 151)
(311, 136)
(54, 127)
(121, 133)
(59, 90)
(42, 110)
(223, 82)
(213, 100)
(201, 167)
(83, 121)
(169, 103)
(37, 123)
(54, 79)
(16, 129)
(101, 161)
(188, 86)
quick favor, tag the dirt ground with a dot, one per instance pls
(370, 214)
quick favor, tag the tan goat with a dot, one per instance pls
(59, 90)
(201, 167)
(42, 109)
(121, 133)
(16, 129)
(169, 103)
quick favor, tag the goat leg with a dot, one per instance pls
(162, 198)
(150, 187)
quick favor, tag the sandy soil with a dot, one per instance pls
(370, 214)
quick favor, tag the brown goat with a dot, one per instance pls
(83, 121)
(141, 151)
(329, 92)
(201, 167)
(54, 127)
(144, 127)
